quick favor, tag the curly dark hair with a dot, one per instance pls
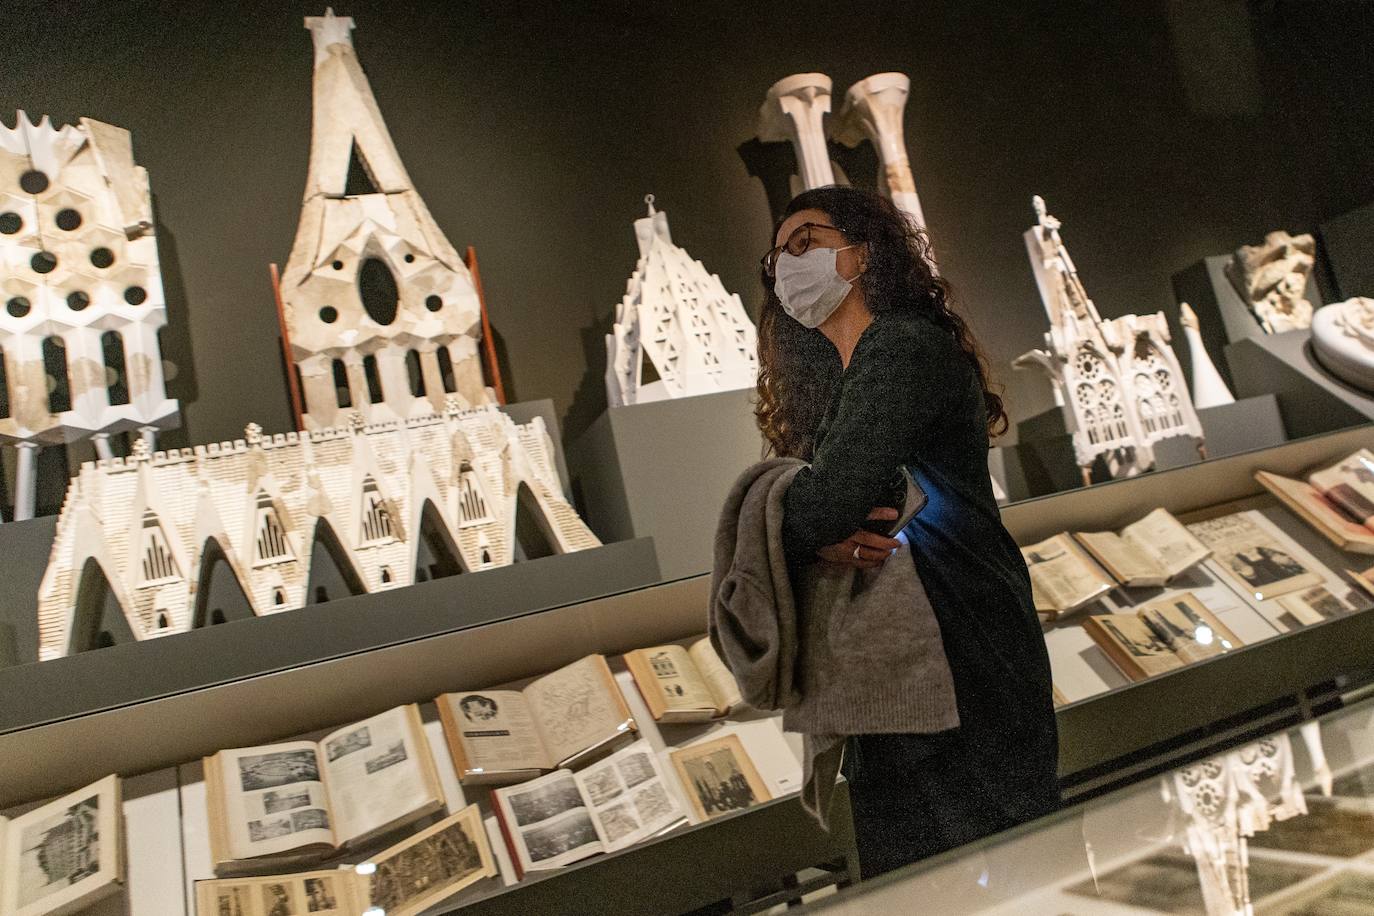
(799, 369)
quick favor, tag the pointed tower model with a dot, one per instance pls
(1209, 389)
(82, 293)
(1118, 382)
(677, 331)
(382, 315)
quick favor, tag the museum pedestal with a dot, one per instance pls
(662, 470)
(1310, 399)
(1044, 457)
(1347, 241)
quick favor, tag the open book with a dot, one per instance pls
(718, 777)
(1338, 501)
(63, 856)
(683, 685)
(1161, 636)
(334, 892)
(563, 817)
(1063, 577)
(1146, 553)
(303, 801)
(564, 718)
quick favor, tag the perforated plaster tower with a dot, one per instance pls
(1118, 382)
(677, 323)
(382, 315)
(82, 292)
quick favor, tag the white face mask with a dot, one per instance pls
(809, 285)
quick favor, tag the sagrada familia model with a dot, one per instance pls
(403, 448)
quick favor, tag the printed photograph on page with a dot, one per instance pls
(430, 867)
(59, 851)
(374, 783)
(1253, 557)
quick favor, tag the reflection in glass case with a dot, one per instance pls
(1282, 826)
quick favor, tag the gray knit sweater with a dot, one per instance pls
(839, 651)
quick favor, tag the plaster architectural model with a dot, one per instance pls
(794, 111)
(1229, 799)
(82, 292)
(1118, 382)
(1209, 388)
(150, 527)
(381, 313)
(1343, 341)
(677, 331)
(1272, 279)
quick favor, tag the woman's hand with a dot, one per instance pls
(863, 549)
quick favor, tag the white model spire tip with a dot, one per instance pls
(329, 30)
(1186, 316)
(649, 200)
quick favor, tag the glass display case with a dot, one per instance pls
(1280, 825)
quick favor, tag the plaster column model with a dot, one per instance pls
(795, 110)
(873, 110)
(81, 288)
(1272, 279)
(1343, 341)
(677, 331)
(1119, 381)
(470, 484)
(382, 314)
(1209, 389)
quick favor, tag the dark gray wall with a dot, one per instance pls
(533, 132)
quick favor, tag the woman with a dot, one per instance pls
(863, 368)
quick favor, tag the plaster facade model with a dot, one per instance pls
(1209, 388)
(1118, 382)
(152, 525)
(82, 289)
(794, 111)
(1343, 341)
(1229, 799)
(1272, 279)
(679, 320)
(382, 314)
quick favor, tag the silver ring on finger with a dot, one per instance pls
(857, 547)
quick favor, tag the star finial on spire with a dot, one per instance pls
(329, 30)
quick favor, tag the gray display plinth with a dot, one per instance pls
(1310, 400)
(1046, 457)
(662, 470)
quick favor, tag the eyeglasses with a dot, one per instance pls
(797, 244)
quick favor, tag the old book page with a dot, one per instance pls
(1063, 578)
(1252, 558)
(1349, 484)
(431, 866)
(1313, 605)
(497, 734)
(713, 670)
(274, 799)
(63, 856)
(308, 892)
(1316, 510)
(1125, 560)
(1167, 541)
(627, 797)
(1131, 645)
(377, 771)
(547, 822)
(670, 681)
(1190, 631)
(718, 777)
(578, 707)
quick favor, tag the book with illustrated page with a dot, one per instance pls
(565, 718)
(1338, 501)
(334, 892)
(718, 777)
(306, 801)
(564, 817)
(63, 856)
(1161, 636)
(1063, 577)
(1309, 606)
(1146, 553)
(684, 685)
(1250, 556)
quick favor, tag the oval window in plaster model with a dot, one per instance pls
(377, 289)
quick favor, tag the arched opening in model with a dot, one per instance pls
(534, 538)
(331, 574)
(219, 594)
(98, 620)
(436, 554)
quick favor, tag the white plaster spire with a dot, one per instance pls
(329, 30)
(794, 110)
(1209, 389)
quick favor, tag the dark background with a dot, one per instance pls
(1159, 132)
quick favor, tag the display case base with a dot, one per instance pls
(663, 470)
